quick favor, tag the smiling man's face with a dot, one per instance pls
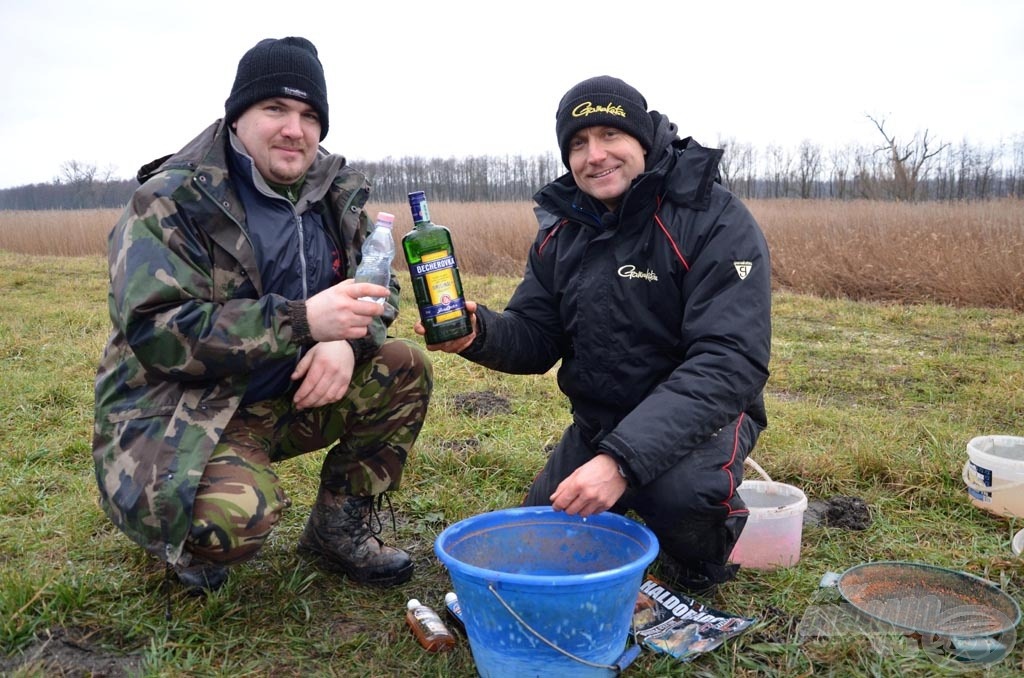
(604, 161)
(282, 136)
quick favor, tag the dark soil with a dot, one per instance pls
(846, 513)
(72, 653)
(482, 403)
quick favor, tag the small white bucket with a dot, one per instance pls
(774, 529)
(994, 474)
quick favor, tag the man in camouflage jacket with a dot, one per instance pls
(239, 340)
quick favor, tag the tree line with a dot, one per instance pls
(918, 168)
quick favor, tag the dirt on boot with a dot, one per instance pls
(339, 537)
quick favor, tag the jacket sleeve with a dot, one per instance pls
(726, 330)
(525, 338)
(184, 318)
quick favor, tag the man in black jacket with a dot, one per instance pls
(651, 283)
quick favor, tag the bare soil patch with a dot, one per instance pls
(482, 403)
(72, 653)
(843, 512)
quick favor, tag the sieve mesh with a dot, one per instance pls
(928, 599)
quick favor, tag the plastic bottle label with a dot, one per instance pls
(984, 475)
(438, 271)
(430, 621)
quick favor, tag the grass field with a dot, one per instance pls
(869, 400)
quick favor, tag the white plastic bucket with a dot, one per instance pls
(772, 535)
(1018, 544)
(994, 474)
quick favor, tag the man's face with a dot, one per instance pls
(282, 136)
(604, 161)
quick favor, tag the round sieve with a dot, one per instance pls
(929, 600)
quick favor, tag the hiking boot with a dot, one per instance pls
(339, 536)
(201, 578)
(699, 585)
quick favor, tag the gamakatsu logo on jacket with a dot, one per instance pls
(629, 271)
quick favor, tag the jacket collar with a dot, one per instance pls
(684, 173)
(317, 182)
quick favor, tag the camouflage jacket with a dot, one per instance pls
(190, 323)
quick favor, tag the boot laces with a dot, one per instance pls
(367, 511)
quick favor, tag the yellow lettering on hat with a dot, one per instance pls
(587, 108)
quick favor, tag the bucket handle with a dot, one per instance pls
(624, 660)
(985, 488)
(757, 467)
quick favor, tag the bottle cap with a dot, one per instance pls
(450, 598)
(412, 604)
(385, 219)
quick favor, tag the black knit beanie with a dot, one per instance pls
(288, 67)
(607, 101)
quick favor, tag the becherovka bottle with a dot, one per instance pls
(435, 275)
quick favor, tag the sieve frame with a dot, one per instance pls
(951, 588)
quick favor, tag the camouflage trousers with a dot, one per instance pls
(372, 430)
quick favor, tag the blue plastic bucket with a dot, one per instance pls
(544, 593)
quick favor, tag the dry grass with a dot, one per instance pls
(64, 233)
(491, 238)
(961, 254)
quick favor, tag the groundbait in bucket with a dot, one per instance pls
(544, 593)
(994, 474)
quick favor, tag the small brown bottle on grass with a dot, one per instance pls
(428, 627)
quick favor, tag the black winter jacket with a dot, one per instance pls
(660, 311)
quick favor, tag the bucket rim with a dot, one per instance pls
(982, 447)
(646, 538)
(792, 491)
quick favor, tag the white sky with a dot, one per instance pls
(116, 83)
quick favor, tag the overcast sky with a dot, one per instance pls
(115, 83)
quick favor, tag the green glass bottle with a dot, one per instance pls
(435, 275)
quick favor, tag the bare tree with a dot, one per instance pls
(808, 169)
(727, 164)
(839, 178)
(780, 164)
(86, 182)
(1016, 178)
(742, 169)
(908, 162)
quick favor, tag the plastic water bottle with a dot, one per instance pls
(378, 251)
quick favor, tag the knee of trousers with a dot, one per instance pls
(404, 359)
(696, 544)
(228, 529)
(699, 492)
(705, 481)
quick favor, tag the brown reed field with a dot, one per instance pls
(960, 254)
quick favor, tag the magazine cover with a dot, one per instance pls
(675, 624)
